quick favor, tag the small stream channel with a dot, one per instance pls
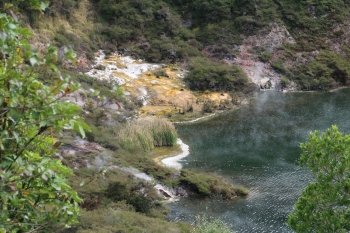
(257, 147)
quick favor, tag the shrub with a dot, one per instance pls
(327, 70)
(118, 34)
(100, 67)
(140, 203)
(210, 225)
(284, 82)
(209, 75)
(160, 73)
(278, 66)
(62, 7)
(208, 106)
(265, 57)
(130, 191)
(118, 191)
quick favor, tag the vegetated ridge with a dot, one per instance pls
(304, 43)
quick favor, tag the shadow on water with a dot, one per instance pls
(257, 147)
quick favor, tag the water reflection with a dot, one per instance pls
(257, 147)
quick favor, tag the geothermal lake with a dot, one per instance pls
(257, 147)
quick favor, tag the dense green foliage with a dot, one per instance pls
(61, 7)
(208, 75)
(154, 29)
(33, 192)
(324, 204)
(327, 70)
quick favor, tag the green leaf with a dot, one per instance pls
(55, 186)
(44, 177)
(81, 131)
(36, 115)
(25, 32)
(44, 5)
(3, 36)
(16, 136)
(95, 92)
(11, 26)
(33, 61)
(43, 123)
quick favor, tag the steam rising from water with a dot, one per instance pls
(257, 147)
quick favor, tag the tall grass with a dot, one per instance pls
(147, 133)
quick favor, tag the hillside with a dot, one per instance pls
(304, 43)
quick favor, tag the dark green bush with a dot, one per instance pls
(118, 191)
(284, 82)
(118, 34)
(265, 57)
(209, 75)
(130, 192)
(326, 71)
(160, 73)
(208, 106)
(278, 65)
(141, 204)
(62, 7)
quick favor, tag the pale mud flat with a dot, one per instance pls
(173, 162)
(116, 64)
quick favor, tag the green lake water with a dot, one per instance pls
(257, 147)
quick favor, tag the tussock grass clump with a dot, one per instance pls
(147, 133)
